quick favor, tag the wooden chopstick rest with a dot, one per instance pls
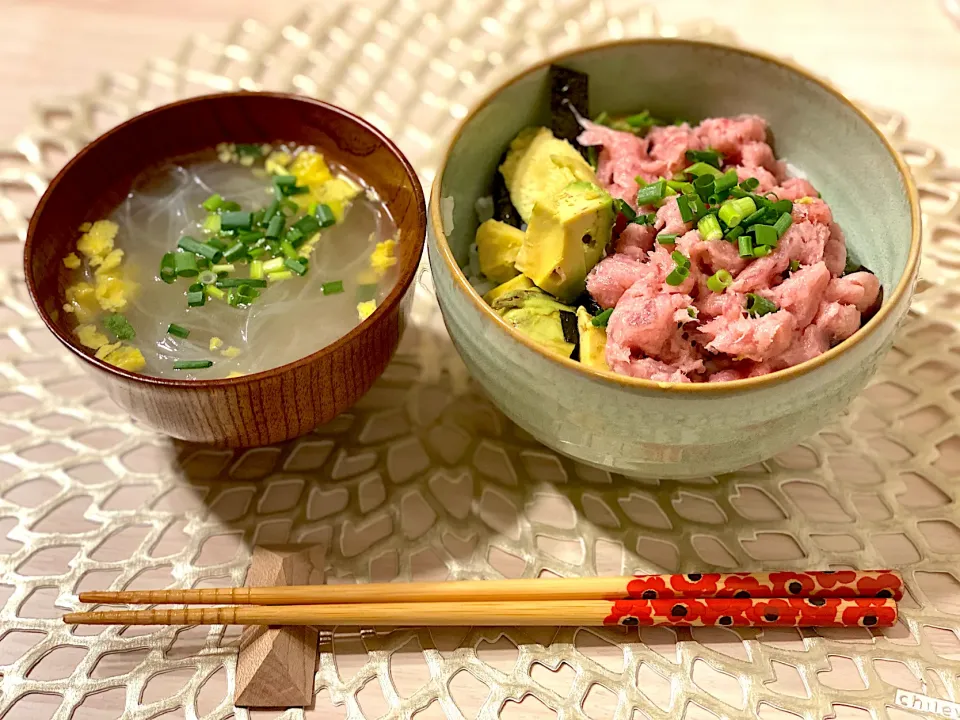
(277, 665)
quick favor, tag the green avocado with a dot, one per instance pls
(593, 341)
(497, 246)
(520, 282)
(566, 237)
(536, 315)
(539, 165)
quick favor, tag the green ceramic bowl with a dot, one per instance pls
(640, 427)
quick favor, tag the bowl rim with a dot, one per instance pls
(393, 299)
(608, 376)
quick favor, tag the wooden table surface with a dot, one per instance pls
(905, 56)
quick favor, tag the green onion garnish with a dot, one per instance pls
(667, 238)
(709, 228)
(119, 327)
(601, 319)
(680, 259)
(783, 223)
(725, 181)
(781, 206)
(746, 246)
(249, 237)
(284, 181)
(766, 235)
(732, 212)
(677, 276)
(750, 184)
(762, 251)
(709, 156)
(761, 215)
(307, 225)
(224, 268)
(214, 292)
(186, 264)
(593, 156)
(652, 193)
(256, 252)
(623, 208)
(217, 244)
(602, 119)
(192, 364)
(235, 252)
(686, 214)
(178, 331)
(297, 266)
(294, 237)
(852, 265)
(196, 298)
(213, 202)
(641, 120)
(190, 245)
(684, 188)
(272, 209)
(794, 265)
(230, 206)
(701, 168)
(212, 224)
(247, 292)
(280, 275)
(757, 305)
(325, 215)
(276, 226)
(645, 218)
(703, 186)
(256, 269)
(256, 220)
(288, 250)
(733, 233)
(236, 220)
(237, 282)
(249, 150)
(332, 288)
(719, 281)
(273, 265)
(207, 277)
(168, 268)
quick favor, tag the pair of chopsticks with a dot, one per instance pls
(844, 598)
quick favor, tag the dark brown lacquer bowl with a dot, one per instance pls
(264, 407)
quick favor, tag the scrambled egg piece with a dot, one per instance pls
(112, 291)
(71, 261)
(127, 358)
(382, 257)
(90, 337)
(110, 262)
(215, 343)
(105, 350)
(231, 352)
(337, 193)
(97, 242)
(365, 309)
(804, 201)
(234, 374)
(310, 169)
(83, 301)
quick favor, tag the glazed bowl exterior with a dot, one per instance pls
(639, 427)
(259, 408)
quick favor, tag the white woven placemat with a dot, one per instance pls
(425, 479)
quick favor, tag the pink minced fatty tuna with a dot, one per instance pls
(687, 332)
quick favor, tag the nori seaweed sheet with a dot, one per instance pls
(569, 91)
(503, 208)
(568, 322)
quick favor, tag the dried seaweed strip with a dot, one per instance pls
(569, 95)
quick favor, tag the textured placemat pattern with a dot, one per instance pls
(425, 479)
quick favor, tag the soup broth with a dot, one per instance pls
(246, 291)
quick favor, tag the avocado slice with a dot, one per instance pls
(497, 246)
(593, 341)
(566, 237)
(539, 165)
(536, 315)
(520, 282)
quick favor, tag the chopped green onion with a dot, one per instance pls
(686, 214)
(652, 193)
(684, 188)
(641, 120)
(195, 287)
(249, 237)
(680, 259)
(281, 275)
(645, 218)
(709, 156)
(719, 281)
(237, 282)
(746, 246)
(761, 215)
(697, 206)
(256, 252)
(703, 186)
(307, 225)
(757, 305)
(288, 250)
(236, 220)
(235, 252)
(623, 208)
(783, 224)
(601, 319)
(256, 269)
(192, 364)
(602, 119)
(168, 268)
(207, 277)
(214, 292)
(726, 181)
(224, 268)
(186, 264)
(701, 168)
(272, 209)
(733, 233)
(247, 292)
(298, 190)
(781, 206)
(852, 265)
(284, 181)
(289, 208)
(297, 266)
(178, 331)
(750, 184)
(732, 212)
(273, 265)
(230, 206)
(256, 220)
(762, 251)
(667, 238)
(212, 224)
(213, 202)
(693, 312)
(312, 208)
(217, 244)
(332, 288)
(709, 228)
(794, 265)
(294, 237)
(249, 150)
(766, 235)
(189, 245)
(593, 156)
(119, 327)
(196, 299)
(276, 226)
(677, 276)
